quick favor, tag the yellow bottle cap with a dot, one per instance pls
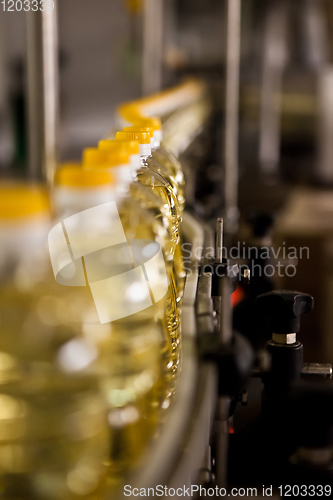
(152, 122)
(132, 134)
(97, 158)
(140, 128)
(132, 147)
(129, 112)
(19, 200)
(73, 175)
(134, 6)
(168, 100)
(143, 138)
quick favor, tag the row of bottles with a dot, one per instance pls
(91, 284)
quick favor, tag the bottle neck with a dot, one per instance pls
(145, 149)
(144, 161)
(70, 200)
(135, 162)
(158, 136)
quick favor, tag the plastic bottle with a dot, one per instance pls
(133, 352)
(53, 426)
(125, 168)
(95, 159)
(161, 162)
(76, 189)
(164, 190)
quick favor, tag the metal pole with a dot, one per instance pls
(324, 170)
(2, 67)
(275, 53)
(232, 113)
(224, 325)
(316, 36)
(219, 240)
(42, 91)
(152, 63)
(231, 212)
(225, 313)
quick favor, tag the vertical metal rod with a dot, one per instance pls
(225, 313)
(51, 89)
(273, 65)
(324, 169)
(2, 66)
(152, 57)
(34, 95)
(219, 240)
(42, 91)
(223, 403)
(316, 36)
(232, 113)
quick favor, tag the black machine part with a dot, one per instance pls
(284, 309)
(234, 361)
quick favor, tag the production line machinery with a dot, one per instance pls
(249, 410)
(251, 416)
